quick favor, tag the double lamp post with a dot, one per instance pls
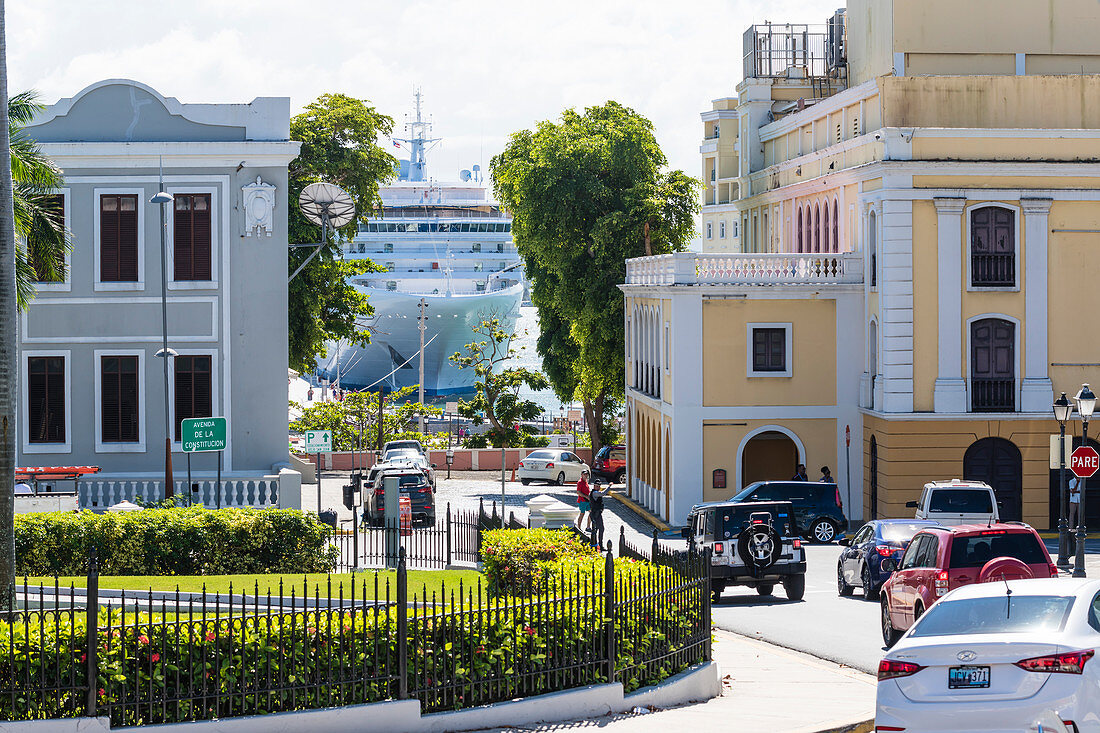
(1063, 409)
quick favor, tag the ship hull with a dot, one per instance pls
(390, 361)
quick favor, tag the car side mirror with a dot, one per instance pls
(843, 541)
(433, 465)
(911, 505)
(889, 565)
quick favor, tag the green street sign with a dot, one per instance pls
(318, 441)
(202, 434)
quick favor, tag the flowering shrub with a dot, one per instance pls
(176, 541)
(520, 561)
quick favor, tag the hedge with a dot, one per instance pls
(178, 541)
(521, 560)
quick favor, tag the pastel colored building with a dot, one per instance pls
(911, 208)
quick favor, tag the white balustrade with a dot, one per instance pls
(253, 492)
(690, 268)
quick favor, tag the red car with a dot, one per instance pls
(610, 463)
(940, 559)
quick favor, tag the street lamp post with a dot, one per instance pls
(1062, 410)
(163, 199)
(1086, 403)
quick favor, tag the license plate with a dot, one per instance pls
(967, 678)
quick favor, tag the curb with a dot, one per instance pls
(642, 512)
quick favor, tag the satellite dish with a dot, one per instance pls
(326, 204)
(464, 175)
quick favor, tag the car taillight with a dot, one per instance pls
(1068, 663)
(884, 551)
(796, 544)
(380, 491)
(424, 489)
(1053, 570)
(889, 669)
(941, 582)
(549, 465)
(839, 503)
(719, 548)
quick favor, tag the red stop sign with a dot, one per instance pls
(1084, 461)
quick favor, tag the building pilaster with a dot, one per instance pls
(1036, 391)
(949, 393)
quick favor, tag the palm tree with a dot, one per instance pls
(7, 346)
(42, 240)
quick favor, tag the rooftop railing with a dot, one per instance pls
(690, 268)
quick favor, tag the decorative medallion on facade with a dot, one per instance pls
(259, 207)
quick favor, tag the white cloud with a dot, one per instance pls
(487, 68)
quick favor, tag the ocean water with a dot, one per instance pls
(525, 355)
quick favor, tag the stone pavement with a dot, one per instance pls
(765, 688)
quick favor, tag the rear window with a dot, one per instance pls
(1003, 614)
(413, 480)
(542, 455)
(900, 532)
(734, 519)
(961, 501)
(604, 452)
(975, 551)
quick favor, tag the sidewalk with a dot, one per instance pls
(766, 688)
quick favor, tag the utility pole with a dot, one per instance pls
(423, 327)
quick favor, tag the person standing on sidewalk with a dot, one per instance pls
(1074, 500)
(595, 512)
(800, 473)
(583, 493)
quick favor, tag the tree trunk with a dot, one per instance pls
(593, 416)
(8, 357)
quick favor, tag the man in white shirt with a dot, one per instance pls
(1074, 500)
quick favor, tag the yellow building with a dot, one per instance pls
(910, 197)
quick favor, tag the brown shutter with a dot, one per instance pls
(181, 238)
(119, 394)
(201, 239)
(108, 238)
(193, 390)
(128, 239)
(192, 237)
(118, 238)
(46, 392)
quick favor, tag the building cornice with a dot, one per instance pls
(174, 154)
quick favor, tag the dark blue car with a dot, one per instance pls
(860, 562)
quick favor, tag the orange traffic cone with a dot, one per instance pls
(513, 474)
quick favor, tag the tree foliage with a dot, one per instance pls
(339, 136)
(497, 390)
(354, 420)
(586, 194)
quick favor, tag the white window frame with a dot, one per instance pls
(24, 388)
(735, 232)
(873, 248)
(1017, 252)
(65, 285)
(215, 393)
(100, 446)
(788, 355)
(215, 242)
(710, 230)
(97, 193)
(668, 350)
(722, 229)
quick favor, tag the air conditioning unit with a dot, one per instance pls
(836, 44)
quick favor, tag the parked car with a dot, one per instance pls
(754, 544)
(997, 657)
(957, 502)
(940, 559)
(412, 483)
(551, 466)
(411, 444)
(406, 456)
(861, 563)
(610, 463)
(817, 507)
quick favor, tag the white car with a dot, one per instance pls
(997, 656)
(552, 466)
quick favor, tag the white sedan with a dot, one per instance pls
(998, 656)
(551, 466)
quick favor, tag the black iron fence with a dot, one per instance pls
(151, 657)
(453, 539)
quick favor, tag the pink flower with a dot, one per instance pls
(143, 639)
(155, 657)
(529, 631)
(102, 692)
(84, 657)
(211, 636)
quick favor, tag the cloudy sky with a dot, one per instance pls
(486, 68)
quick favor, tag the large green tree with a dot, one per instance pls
(586, 193)
(339, 136)
(354, 419)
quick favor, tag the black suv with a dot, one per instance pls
(413, 483)
(754, 544)
(817, 506)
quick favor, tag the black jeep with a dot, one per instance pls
(753, 543)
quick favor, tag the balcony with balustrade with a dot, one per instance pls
(780, 269)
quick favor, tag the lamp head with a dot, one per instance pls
(1062, 409)
(167, 352)
(161, 197)
(1086, 402)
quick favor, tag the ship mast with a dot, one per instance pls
(419, 143)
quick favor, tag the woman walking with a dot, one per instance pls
(583, 492)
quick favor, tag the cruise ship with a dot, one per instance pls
(444, 246)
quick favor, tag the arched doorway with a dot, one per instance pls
(768, 456)
(997, 462)
(872, 505)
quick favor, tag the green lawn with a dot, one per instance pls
(433, 581)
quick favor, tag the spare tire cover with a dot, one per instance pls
(1004, 568)
(759, 546)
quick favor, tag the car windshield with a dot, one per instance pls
(961, 501)
(900, 532)
(412, 480)
(542, 455)
(745, 492)
(735, 518)
(1001, 614)
(975, 551)
(395, 453)
(604, 452)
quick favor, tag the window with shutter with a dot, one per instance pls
(55, 210)
(191, 237)
(769, 350)
(193, 389)
(46, 392)
(119, 394)
(118, 238)
(993, 247)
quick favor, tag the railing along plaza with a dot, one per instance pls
(690, 268)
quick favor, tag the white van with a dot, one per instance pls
(957, 502)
